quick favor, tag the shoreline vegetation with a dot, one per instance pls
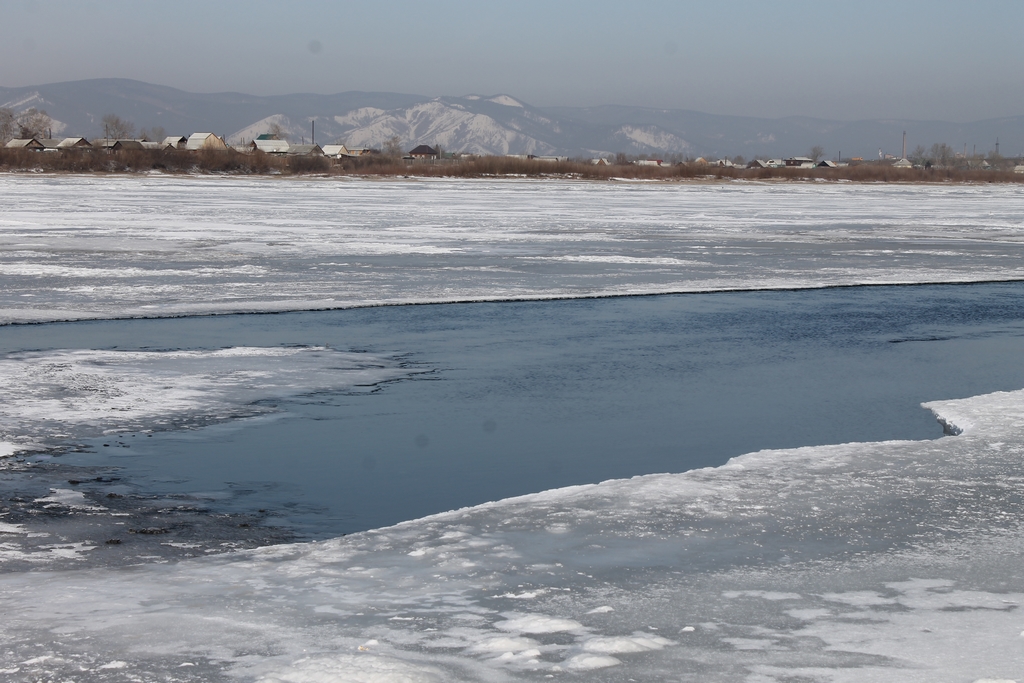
(231, 162)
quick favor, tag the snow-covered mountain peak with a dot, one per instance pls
(506, 100)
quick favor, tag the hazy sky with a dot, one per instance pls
(847, 60)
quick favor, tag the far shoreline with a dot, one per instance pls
(216, 163)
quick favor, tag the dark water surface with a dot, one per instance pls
(529, 396)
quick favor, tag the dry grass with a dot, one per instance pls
(258, 163)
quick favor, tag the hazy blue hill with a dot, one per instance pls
(494, 124)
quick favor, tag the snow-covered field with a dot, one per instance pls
(853, 562)
(100, 247)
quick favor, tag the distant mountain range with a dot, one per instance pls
(495, 124)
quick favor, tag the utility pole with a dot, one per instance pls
(904, 145)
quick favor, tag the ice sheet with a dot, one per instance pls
(851, 562)
(97, 247)
(52, 397)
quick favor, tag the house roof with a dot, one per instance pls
(334, 150)
(23, 143)
(305, 150)
(423, 150)
(73, 142)
(50, 143)
(270, 146)
(200, 140)
(175, 140)
(128, 144)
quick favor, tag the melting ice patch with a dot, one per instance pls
(52, 396)
(855, 562)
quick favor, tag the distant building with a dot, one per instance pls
(74, 143)
(175, 142)
(599, 162)
(903, 163)
(122, 145)
(305, 151)
(198, 141)
(336, 151)
(757, 163)
(424, 152)
(799, 162)
(827, 164)
(548, 158)
(1019, 168)
(50, 144)
(270, 145)
(649, 162)
(23, 143)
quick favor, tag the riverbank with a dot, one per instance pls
(182, 162)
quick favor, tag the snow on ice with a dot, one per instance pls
(854, 562)
(52, 396)
(94, 247)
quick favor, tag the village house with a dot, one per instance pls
(25, 143)
(424, 152)
(74, 143)
(202, 141)
(336, 151)
(123, 145)
(305, 151)
(175, 142)
(269, 145)
(799, 162)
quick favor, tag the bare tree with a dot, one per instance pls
(114, 127)
(33, 123)
(278, 132)
(393, 147)
(816, 153)
(7, 125)
(156, 133)
(941, 153)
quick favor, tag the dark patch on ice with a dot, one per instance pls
(109, 522)
(904, 340)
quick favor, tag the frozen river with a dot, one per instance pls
(73, 248)
(137, 445)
